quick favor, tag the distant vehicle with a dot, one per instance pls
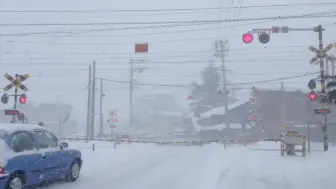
(30, 155)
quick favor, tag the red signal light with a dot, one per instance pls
(250, 118)
(23, 99)
(312, 95)
(247, 38)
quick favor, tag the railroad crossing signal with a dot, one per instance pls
(321, 53)
(16, 82)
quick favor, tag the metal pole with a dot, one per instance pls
(88, 106)
(226, 106)
(93, 91)
(15, 98)
(131, 94)
(60, 131)
(333, 73)
(324, 127)
(101, 124)
(308, 137)
(333, 66)
(283, 105)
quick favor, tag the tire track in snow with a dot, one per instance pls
(222, 178)
(123, 180)
(107, 172)
(173, 173)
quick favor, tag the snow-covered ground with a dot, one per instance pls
(146, 166)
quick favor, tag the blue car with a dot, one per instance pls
(30, 155)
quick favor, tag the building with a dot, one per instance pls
(267, 113)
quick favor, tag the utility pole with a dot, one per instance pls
(323, 90)
(101, 124)
(93, 90)
(88, 115)
(131, 94)
(221, 48)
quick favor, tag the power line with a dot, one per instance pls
(46, 90)
(175, 9)
(44, 63)
(72, 33)
(174, 23)
(232, 84)
(169, 55)
(160, 73)
(167, 52)
(114, 59)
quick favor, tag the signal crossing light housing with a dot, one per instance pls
(23, 99)
(312, 84)
(4, 98)
(264, 38)
(247, 38)
(312, 95)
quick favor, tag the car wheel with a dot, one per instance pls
(15, 182)
(73, 172)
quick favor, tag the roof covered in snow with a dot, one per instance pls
(242, 97)
(13, 127)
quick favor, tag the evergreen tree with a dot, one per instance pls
(207, 95)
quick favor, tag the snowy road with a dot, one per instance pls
(144, 166)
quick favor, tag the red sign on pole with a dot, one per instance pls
(141, 48)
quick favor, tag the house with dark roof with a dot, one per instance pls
(296, 105)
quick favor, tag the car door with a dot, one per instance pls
(25, 157)
(47, 144)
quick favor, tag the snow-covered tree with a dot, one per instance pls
(207, 94)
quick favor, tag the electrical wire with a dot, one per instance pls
(161, 53)
(75, 33)
(71, 63)
(173, 23)
(177, 23)
(112, 59)
(175, 9)
(231, 84)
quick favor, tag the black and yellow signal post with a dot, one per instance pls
(16, 82)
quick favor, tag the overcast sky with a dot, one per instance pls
(58, 62)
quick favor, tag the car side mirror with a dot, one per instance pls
(63, 145)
